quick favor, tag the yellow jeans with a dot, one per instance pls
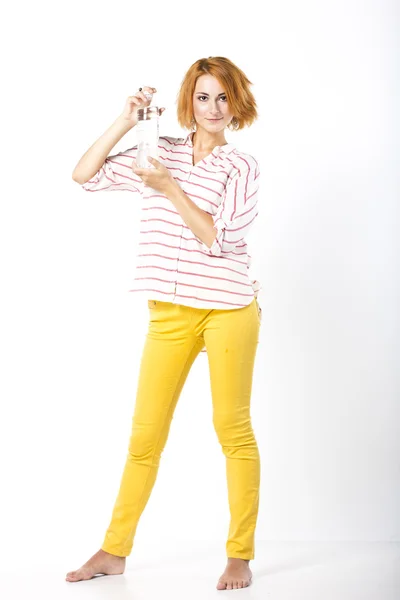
(175, 337)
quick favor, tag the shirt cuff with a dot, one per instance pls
(219, 225)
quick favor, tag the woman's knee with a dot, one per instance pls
(232, 429)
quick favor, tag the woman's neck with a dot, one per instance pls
(205, 142)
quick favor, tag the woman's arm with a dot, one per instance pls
(95, 157)
(224, 231)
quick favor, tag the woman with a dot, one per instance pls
(199, 202)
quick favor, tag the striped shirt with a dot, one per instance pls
(172, 263)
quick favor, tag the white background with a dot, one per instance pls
(325, 248)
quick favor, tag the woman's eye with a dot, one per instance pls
(222, 97)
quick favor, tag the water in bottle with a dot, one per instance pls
(147, 135)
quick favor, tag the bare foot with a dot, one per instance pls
(101, 562)
(237, 574)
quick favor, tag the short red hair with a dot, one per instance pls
(236, 87)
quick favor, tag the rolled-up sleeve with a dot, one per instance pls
(238, 209)
(116, 174)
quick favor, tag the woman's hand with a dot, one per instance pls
(133, 103)
(159, 178)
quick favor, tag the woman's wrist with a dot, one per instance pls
(125, 124)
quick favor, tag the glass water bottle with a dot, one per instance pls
(147, 135)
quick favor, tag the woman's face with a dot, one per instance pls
(209, 102)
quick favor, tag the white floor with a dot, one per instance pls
(281, 571)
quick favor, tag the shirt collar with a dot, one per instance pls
(226, 148)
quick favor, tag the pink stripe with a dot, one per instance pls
(213, 301)
(112, 183)
(175, 235)
(216, 222)
(134, 148)
(121, 174)
(201, 198)
(184, 226)
(183, 162)
(174, 212)
(246, 225)
(198, 287)
(190, 273)
(175, 151)
(109, 179)
(188, 239)
(240, 262)
(231, 229)
(177, 169)
(204, 187)
(208, 170)
(158, 291)
(174, 143)
(195, 262)
(154, 196)
(212, 162)
(193, 174)
(105, 188)
(161, 220)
